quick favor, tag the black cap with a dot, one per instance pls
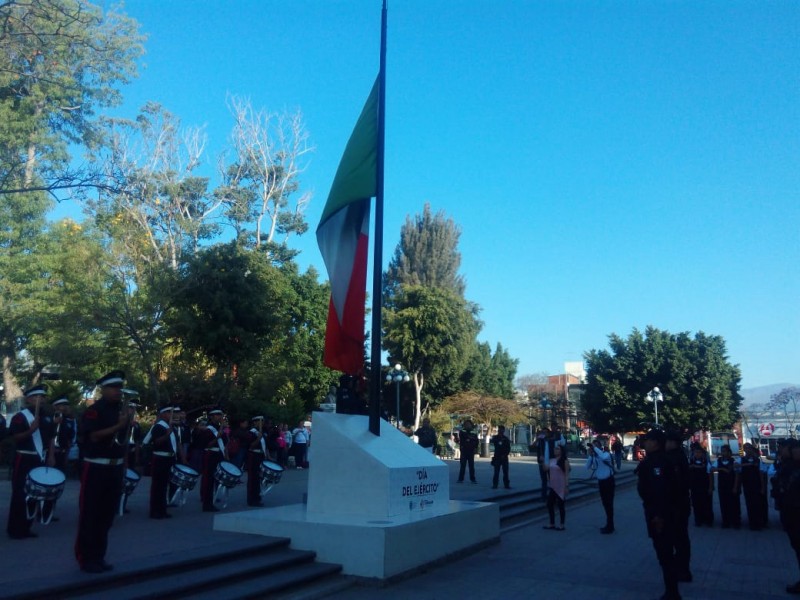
(36, 390)
(62, 399)
(657, 435)
(112, 379)
(673, 435)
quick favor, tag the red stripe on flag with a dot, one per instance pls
(344, 342)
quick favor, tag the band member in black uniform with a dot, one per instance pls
(728, 487)
(105, 428)
(787, 489)
(662, 500)
(25, 432)
(256, 454)
(165, 447)
(135, 438)
(66, 429)
(683, 546)
(181, 432)
(213, 441)
(754, 487)
(701, 486)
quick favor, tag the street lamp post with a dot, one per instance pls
(655, 397)
(398, 375)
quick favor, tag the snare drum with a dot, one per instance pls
(131, 481)
(270, 472)
(44, 483)
(227, 474)
(183, 477)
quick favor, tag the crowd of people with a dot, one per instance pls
(111, 451)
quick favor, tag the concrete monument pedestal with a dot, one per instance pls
(378, 505)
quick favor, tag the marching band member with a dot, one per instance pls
(104, 427)
(24, 430)
(182, 436)
(213, 441)
(66, 430)
(257, 453)
(165, 449)
(135, 438)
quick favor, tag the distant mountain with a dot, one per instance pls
(758, 395)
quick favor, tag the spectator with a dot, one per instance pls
(617, 448)
(598, 460)
(426, 436)
(300, 444)
(558, 483)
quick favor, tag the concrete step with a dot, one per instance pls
(170, 582)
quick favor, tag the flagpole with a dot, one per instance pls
(377, 269)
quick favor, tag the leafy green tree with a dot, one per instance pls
(59, 61)
(699, 385)
(430, 331)
(427, 255)
(489, 373)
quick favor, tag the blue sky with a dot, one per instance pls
(612, 164)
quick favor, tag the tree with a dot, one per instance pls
(431, 331)
(427, 255)
(488, 373)
(59, 61)
(700, 386)
(269, 151)
(485, 408)
(787, 404)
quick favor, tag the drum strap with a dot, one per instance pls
(172, 440)
(220, 443)
(260, 440)
(36, 436)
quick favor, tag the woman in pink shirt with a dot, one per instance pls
(558, 483)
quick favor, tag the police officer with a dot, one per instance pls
(728, 487)
(701, 486)
(662, 499)
(502, 448)
(788, 489)
(104, 427)
(256, 454)
(682, 544)
(165, 448)
(754, 487)
(30, 451)
(468, 444)
(213, 440)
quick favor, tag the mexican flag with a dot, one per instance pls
(343, 238)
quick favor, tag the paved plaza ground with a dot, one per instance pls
(576, 563)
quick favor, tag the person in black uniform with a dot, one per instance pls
(754, 487)
(662, 500)
(213, 441)
(25, 432)
(701, 486)
(256, 454)
(65, 431)
(468, 444)
(182, 436)
(502, 448)
(104, 427)
(728, 487)
(787, 489)
(162, 436)
(683, 546)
